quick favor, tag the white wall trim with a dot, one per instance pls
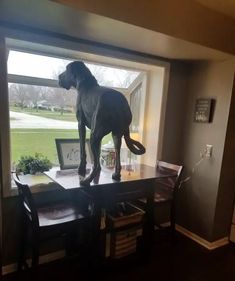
(10, 268)
(208, 245)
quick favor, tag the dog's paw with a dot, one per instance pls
(85, 182)
(116, 176)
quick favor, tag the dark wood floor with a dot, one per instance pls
(186, 261)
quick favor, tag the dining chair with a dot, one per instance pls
(45, 222)
(165, 192)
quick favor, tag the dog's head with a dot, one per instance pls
(75, 73)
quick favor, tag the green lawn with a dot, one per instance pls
(29, 141)
(47, 114)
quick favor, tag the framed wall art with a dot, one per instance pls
(68, 151)
(204, 108)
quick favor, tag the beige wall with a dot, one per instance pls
(226, 199)
(175, 112)
(198, 197)
(205, 202)
(183, 19)
(155, 104)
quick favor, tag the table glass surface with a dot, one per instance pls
(69, 179)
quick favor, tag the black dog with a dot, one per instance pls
(103, 110)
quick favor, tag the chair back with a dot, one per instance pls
(27, 201)
(173, 182)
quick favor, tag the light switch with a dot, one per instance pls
(209, 148)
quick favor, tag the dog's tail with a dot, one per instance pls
(135, 146)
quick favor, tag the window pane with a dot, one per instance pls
(112, 77)
(135, 98)
(33, 65)
(27, 64)
(38, 115)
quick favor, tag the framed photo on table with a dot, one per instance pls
(68, 151)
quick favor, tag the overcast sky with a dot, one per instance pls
(48, 67)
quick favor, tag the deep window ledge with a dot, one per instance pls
(38, 184)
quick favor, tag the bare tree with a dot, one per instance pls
(105, 76)
(19, 93)
(70, 98)
(60, 100)
(99, 73)
(125, 78)
(35, 95)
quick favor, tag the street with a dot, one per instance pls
(22, 120)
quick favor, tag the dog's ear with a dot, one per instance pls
(78, 70)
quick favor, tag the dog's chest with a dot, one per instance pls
(86, 105)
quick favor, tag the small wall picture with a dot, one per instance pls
(68, 151)
(203, 110)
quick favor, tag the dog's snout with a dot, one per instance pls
(63, 81)
(61, 78)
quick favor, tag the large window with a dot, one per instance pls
(35, 111)
(135, 100)
(40, 111)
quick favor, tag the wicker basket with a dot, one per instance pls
(124, 242)
(124, 231)
(133, 215)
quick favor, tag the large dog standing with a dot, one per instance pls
(103, 110)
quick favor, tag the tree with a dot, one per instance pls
(112, 77)
(62, 98)
(35, 95)
(125, 78)
(19, 93)
(99, 73)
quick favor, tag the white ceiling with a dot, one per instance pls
(58, 18)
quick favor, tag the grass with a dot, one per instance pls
(46, 113)
(29, 141)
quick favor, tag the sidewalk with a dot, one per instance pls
(27, 121)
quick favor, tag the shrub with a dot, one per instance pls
(33, 164)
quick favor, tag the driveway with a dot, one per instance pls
(28, 121)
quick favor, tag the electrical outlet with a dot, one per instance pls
(209, 148)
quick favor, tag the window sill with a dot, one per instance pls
(37, 183)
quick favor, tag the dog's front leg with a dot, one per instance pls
(82, 135)
(95, 141)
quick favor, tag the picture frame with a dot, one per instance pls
(68, 151)
(204, 108)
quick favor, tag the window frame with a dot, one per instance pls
(9, 36)
(4, 121)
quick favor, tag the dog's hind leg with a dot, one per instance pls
(117, 140)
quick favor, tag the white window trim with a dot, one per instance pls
(4, 121)
(136, 61)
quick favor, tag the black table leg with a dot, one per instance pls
(148, 230)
